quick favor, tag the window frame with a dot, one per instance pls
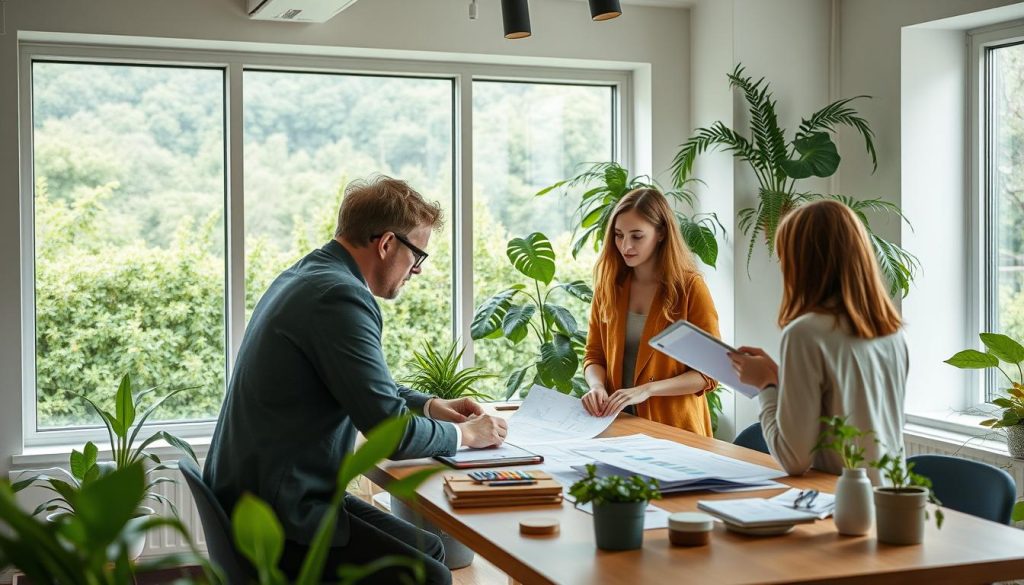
(234, 63)
(982, 207)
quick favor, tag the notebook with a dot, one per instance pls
(463, 492)
(755, 512)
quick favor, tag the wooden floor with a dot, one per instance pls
(479, 573)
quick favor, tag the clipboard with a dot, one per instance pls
(499, 457)
(685, 342)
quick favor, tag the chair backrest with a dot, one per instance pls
(967, 486)
(752, 438)
(219, 542)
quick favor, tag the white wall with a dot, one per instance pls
(650, 40)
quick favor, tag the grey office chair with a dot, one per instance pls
(752, 438)
(217, 527)
(971, 487)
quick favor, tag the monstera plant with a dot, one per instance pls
(604, 184)
(524, 309)
(779, 163)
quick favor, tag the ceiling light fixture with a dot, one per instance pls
(515, 14)
(604, 9)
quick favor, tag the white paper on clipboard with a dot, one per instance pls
(689, 344)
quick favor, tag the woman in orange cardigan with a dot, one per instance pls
(646, 279)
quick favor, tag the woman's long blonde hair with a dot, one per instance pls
(829, 266)
(673, 260)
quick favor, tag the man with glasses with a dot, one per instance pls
(311, 373)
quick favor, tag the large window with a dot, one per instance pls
(1004, 193)
(166, 194)
(129, 236)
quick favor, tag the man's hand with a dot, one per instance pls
(457, 410)
(483, 430)
(595, 400)
(624, 397)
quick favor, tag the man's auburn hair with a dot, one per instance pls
(381, 204)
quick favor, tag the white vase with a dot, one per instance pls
(855, 508)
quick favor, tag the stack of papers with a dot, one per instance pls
(755, 512)
(676, 467)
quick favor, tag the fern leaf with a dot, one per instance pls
(703, 139)
(838, 113)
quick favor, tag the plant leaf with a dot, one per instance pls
(259, 536)
(515, 381)
(406, 487)
(578, 289)
(558, 363)
(380, 443)
(818, 157)
(1003, 347)
(561, 318)
(124, 405)
(972, 359)
(701, 241)
(533, 256)
(488, 317)
(516, 323)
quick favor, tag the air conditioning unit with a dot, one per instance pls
(297, 10)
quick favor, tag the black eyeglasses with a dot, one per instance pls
(421, 256)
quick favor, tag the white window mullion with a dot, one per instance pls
(463, 211)
(235, 220)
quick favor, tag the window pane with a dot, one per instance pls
(129, 237)
(527, 136)
(1008, 189)
(306, 137)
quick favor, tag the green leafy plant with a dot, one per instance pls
(76, 548)
(613, 488)
(438, 373)
(560, 338)
(260, 538)
(844, 439)
(605, 183)
(902, 477)
(998, 348)
(123, 428)
(778, 163)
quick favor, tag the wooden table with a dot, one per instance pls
(965, 550)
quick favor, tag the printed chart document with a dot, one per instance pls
(691, 345)
(547, 416)
(677, 467)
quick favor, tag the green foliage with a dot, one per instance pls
(612, 183)
(778, 164)
(844, 439)
(123, 427)
(998, 348)
(900, 474)
(613, 488)
(260, 538)
(91, 546)
(438, 374)
(559, 339)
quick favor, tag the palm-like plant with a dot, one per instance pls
(609, 182)
(778, 163)
(438, 374)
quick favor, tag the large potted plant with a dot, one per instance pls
(854, 512)
(437, 373)
(1001, 348)
(123, 427)
(619, 504)
(524, 309)
(779, 163)
(900, 508)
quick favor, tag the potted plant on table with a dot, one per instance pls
(437, 373)
(123, 427)
(1001, 348)
(900, 509)
(854, 512)
(619, 504)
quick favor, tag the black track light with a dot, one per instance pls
(604, 9)
(516, 16)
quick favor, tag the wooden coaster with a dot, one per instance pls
(540, 526)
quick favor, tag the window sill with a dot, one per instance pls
(957, 433)
(43, 457)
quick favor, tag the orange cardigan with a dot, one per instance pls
(606, 345)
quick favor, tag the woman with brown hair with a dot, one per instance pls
(843, 350)
(644, 280)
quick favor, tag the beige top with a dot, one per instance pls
(825, 371)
